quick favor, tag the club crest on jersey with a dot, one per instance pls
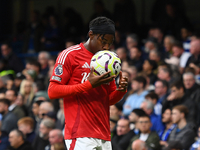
(59, 70)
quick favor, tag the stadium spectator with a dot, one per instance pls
(52, 35)
(151, 44)
(195, 51)
(122, 54)
(53, 116)
(133, 118)
(116, 111)
(132, 40)
(43, 58)
(41, 140)
(178, 51)
(176, 97)
(58, 146)
(157, 33)
(153, 97)
(9, 120)
(150, 138)
(169, 126)
(35, 111)
(191, 88)
(148, 67)
(4, 140)
(26, 125)
(161, 89)
(27, 90)
(11, 59)
(135, 58)
(122, 138)
(139, 145)
(17, 81)
(148, 108)
(168, 44)
(44, 108)
(156, 56)
(33, 34)
(182, 136)
(191, 91)
(120, 40)
(55, 136)
(165, 74)
(17, 141)
(186, 34)
(11, 95)
(134, 100)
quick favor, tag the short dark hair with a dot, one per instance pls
(167, 70)
(145, 116)
(152, 95)
(177, 84)
(19, 133)
(141, 79)
(182, 109)
(38, 102)
(139, 112)
(178, 44)
(152, 63)
(164, 83)
(5, 101)
(119, 106)
(101, 21)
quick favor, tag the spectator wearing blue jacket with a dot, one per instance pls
(148, 107)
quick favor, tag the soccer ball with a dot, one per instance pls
(104, 61)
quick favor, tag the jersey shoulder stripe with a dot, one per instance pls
(64, 53)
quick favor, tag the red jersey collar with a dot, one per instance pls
(87, 51)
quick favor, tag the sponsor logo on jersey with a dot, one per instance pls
(56, 78)
(85, 65)
(59, 70)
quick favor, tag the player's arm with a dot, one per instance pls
(59, 90)
(118, 94)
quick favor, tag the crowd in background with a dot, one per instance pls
(161, 107)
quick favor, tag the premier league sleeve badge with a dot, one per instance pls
(58, 70)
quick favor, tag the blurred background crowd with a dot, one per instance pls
(162, 60)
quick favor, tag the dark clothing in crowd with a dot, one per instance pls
(191, 105)
(32, 38)
(181, 138)
(15, 63)
(121, 142)
(30, 137)
(137, 63)
(9, 122)
(24, 146)
(152, 141)
(39, 143)
(4, 143)
(193, 59)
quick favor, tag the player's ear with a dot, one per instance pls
(90, 34)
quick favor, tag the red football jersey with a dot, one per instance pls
(87, 113)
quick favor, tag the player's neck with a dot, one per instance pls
(86, 45)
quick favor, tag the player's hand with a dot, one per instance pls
(98, 80)
(123, 83)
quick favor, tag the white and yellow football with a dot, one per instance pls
(104, 61)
